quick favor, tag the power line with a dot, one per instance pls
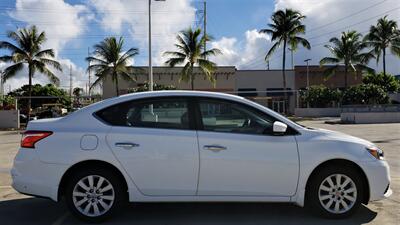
(354, 24)
(107, 11)
(346, 17)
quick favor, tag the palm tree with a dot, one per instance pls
(284, 30)
(347, 50)
(383, 36)
(190, 52)
(110, 60)
(77, 92)
(27, 50)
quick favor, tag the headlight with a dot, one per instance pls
(375, 152)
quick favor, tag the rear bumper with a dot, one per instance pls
(378, 174)
(32, 177)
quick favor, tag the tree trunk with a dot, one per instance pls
(384, 61)
(116, 84)
(345, 75)
(30, 71)
(285, 95)
(191, 77)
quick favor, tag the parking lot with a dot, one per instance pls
(19, 209)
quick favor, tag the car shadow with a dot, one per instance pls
(41, 211)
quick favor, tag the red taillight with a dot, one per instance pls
(29, 138)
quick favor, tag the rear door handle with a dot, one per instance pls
(126, 145)
(214, 148)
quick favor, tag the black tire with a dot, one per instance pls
(118, 191)
(313, 202)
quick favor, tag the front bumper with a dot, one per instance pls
(378, 175)
(33, 177)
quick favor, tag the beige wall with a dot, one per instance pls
(228, 80)
(263, 79)
(316, 77)
(225, 81)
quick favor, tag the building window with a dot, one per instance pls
(247, 92)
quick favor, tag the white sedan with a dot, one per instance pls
(184, 146)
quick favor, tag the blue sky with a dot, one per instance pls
(222, 21)
(74, 25)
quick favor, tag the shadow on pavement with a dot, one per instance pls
(41, 211)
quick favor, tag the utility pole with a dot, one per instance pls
(88, 53)
(308, 79)
(70, 81)
(292, 59)
(205, 25)
(1, 87)
(150, 60)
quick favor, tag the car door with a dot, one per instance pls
(240, 155)
(156, 145)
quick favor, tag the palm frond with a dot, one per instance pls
(329, 71)
(175, 54)
(186, 72)
(211, 52)
(10, 46)
(52, 77)
(6, 58)
(327, 60)
(272, 50)
(45, 53)
(12, 70)
(92, 59)
(96, 83)
(172, 62)
(365, 68)
(126, 76)
(50, 62)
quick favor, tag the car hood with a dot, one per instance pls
(338, 136)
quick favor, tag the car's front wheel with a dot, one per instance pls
(335, 192)
(94, 195)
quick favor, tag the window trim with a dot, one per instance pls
(199, 122)
(187, 99)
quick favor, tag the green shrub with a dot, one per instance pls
(7, 102)
(39, 90)
(156, 87)
(365, 94)
(320, 96)
(387, 82)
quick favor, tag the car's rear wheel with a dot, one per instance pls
(335, 192)
(94, 194)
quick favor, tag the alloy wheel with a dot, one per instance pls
(337, 193)
(93, 195)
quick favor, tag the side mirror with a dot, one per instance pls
(279, 127)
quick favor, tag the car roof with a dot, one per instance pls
(180, 93)
(150, 94)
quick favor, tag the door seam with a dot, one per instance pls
(198, 172)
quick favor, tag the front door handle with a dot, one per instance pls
(126, 145)
(214, 148)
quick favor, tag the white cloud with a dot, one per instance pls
(78, 76)
(249, 53)
(168, 18)
(230, 53)
(324, 20)
(62, 22)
